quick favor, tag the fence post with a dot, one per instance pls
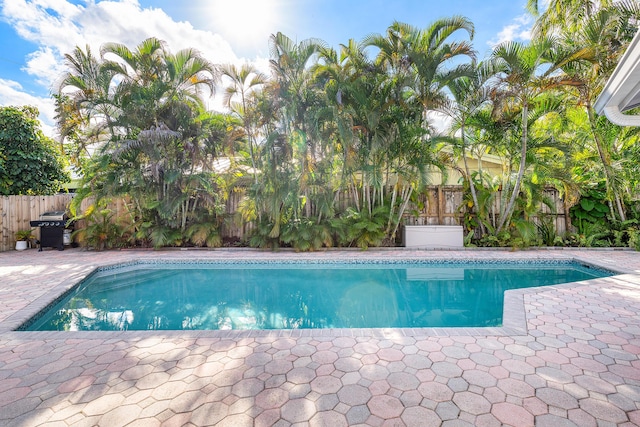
(440, 205)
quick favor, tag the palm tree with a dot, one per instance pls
(290, 63)
(592, 51)
(523, 74)
(84, 106)
(566, 15)
(291, 66)
(162, 94)
(427, 53)
(152, 82)
(244, 82)
(339, 75)
(413, 69)
(592, 35)
(148, 101)
(470, 96)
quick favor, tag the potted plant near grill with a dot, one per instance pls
(23, 237)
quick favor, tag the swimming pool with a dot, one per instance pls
(295, 295)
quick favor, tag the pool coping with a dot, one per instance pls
(514, 313)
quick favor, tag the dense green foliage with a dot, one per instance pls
(153, 141)
(30, 163)
(334, 146)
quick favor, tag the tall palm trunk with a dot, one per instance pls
(250, 140)
(606, 163)
(506, 216)
(472, 187)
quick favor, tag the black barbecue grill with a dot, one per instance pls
(53, 230)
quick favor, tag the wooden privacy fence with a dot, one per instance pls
(17, 211)
(438, 205)
(441, 205)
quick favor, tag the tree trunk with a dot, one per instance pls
(606, 163)
(472, 186)
(523, 163)
(406, 198)
(567, 214)
(392, 207)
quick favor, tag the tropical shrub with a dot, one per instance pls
(307, 234)
(547, 232)
(592, 209)
(101, 230)
(361, 229)
(205, 234)
(161, 236)
(262, 236)
(496, 240)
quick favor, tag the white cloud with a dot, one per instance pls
(58, 26)
(45, 66)
(12, 93)
(125, 22)
(518, 30)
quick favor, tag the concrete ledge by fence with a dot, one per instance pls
(433, 236)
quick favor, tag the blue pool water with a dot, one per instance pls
(209, 296)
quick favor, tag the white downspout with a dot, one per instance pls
(616, 116)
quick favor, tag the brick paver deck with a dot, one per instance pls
(569, 357)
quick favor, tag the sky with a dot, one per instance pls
(35, 34)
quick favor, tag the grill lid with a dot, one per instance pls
(53, 216)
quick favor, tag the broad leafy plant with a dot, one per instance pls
(30, 163)
(592, 209)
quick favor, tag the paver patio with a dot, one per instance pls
(569, 355)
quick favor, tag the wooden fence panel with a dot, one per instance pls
(234, 228)
(437, 205)
(17, 211)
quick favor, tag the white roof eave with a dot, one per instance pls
(622, 91)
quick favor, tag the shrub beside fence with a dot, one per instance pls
(439, 205)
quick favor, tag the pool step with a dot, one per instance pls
(131, 278)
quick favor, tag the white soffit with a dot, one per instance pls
(622, 91)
